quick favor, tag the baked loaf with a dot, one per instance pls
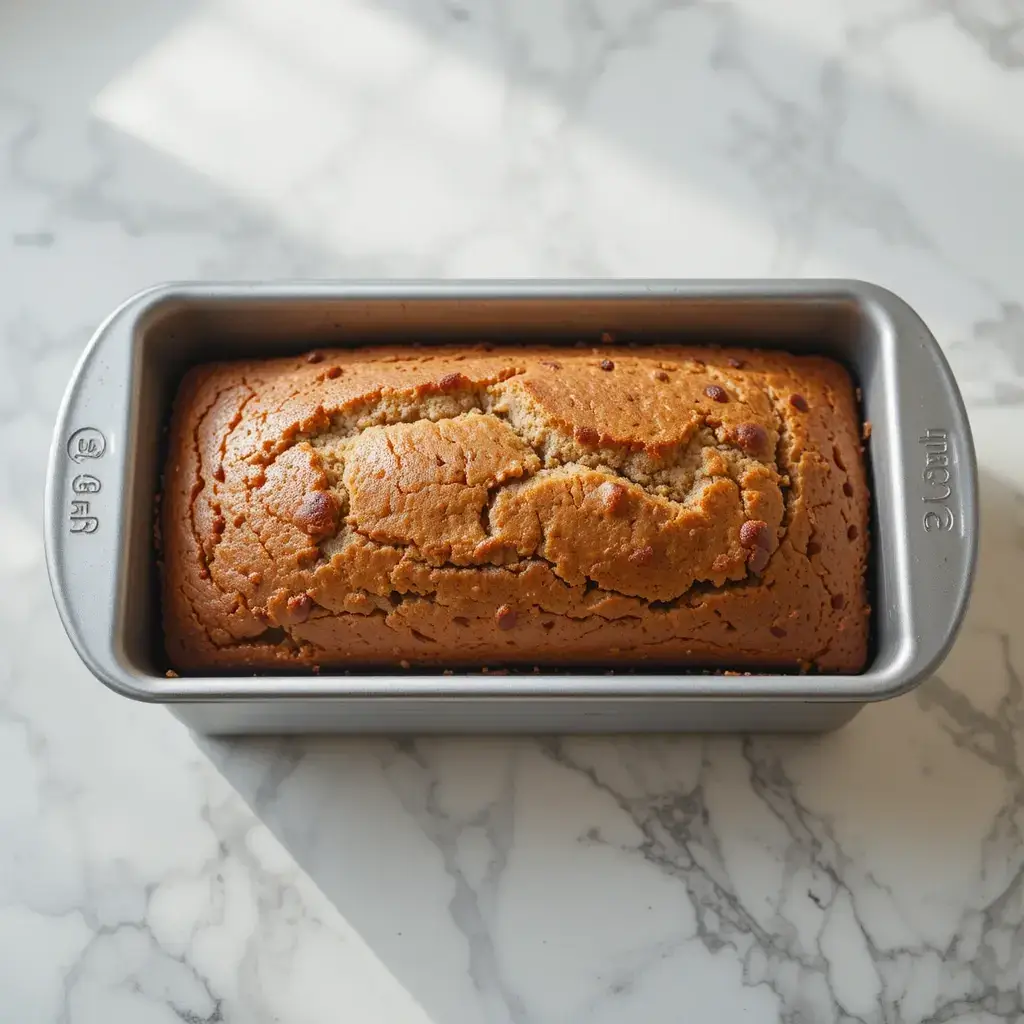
(470, 507)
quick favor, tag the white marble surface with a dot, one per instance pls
(873, 875)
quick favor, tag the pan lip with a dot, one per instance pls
(902, 673)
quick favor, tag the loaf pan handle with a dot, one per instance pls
(87, 487)
(934, 479)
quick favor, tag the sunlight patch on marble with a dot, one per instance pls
(397, 141)
(260, 912)
(339, 119)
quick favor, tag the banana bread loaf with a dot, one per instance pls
(469, 507)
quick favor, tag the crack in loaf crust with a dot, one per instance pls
(466, 507)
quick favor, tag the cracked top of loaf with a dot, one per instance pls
(479, 506)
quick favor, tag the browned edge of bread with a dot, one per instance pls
(461, 507)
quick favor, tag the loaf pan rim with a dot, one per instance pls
(907, 672)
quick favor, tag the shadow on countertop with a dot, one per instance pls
(445, 850)
(478, 868)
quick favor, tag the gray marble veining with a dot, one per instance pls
(875, 875)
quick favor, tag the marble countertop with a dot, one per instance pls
(873, 875)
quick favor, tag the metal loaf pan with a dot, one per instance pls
(106, 461)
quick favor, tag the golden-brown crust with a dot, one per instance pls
(453, 507)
